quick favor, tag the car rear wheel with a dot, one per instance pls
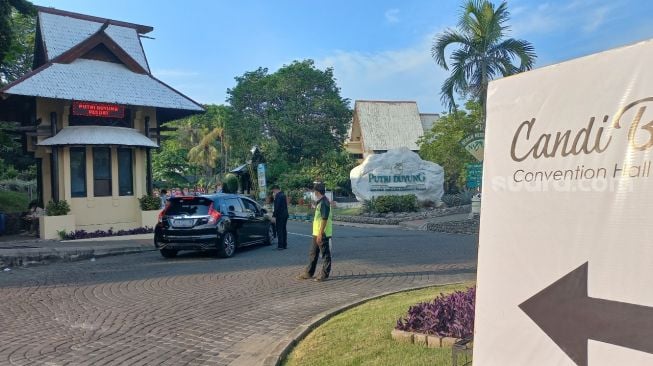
(168, 253)
(227, 245)
(270, 237)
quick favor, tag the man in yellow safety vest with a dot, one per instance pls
(322, 231)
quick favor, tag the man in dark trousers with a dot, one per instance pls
(322, 232)
(280, 215)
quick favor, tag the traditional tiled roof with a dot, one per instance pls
(61, 33)
(98, 81)
(98, 135)
(388, 125)
(66, 74)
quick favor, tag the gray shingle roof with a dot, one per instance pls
(98, 135)
(98, 81)
(389, 125)
(61, 33)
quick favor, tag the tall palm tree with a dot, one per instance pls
(483, 51)
(206, 153)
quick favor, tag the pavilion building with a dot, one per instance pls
(378, 126)
(90, 113)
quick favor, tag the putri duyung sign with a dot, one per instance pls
(397, 172)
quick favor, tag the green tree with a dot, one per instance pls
(11, 27)
(247, 99)
(20, 53)
(442, 145)
(483, 51)
(170, 164)
(333, 169)
(299, 107)
(194, 148)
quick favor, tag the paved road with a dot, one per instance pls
(140, 309)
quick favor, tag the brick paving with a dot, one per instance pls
(140, 309)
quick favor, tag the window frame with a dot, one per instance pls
(247, 200)
(130, 192)
(73, 151)
(102, 179)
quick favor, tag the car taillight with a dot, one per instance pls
(163, 212)
(215, 215)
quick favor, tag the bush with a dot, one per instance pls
(385, 204)
(13, 201)
(368, 206)
(446, 316)
(149, 203)
(458, 199)
(58, 208)
(295, 181)
(295, 196)
(230, 183)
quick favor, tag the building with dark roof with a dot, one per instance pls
(91, 111)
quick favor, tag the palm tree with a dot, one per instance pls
(206, 153)
(483, 54)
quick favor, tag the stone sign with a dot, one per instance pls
(397, 172)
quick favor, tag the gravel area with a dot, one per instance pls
(469, 226)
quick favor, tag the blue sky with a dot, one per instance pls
(379, 49)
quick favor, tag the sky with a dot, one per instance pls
(378, 49)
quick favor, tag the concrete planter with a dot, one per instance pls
(149, 218)
(428, 340)
(49, 226)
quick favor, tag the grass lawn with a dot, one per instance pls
(13, 201)
(351, 211)
(361, 336)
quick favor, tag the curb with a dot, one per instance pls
(27, 257)
(363, 225)
(289, 342)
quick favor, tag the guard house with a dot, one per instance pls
(378, 126)
(90, 112)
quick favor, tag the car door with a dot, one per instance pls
(255, 220)
(233, 208)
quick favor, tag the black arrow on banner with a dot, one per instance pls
(570, 318)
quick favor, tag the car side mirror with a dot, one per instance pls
(264, 211)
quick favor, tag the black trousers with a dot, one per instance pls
(314, 255)
(282, 232)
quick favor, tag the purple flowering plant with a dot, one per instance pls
(446, 316)
(83, 234)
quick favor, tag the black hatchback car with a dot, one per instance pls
(219, 222)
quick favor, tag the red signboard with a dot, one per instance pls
(94, 109)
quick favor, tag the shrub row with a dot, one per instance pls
(83, 234)
(58, 208)
(446, 316)
(385, 204)
(149, 203)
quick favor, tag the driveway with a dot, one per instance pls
(140, 309)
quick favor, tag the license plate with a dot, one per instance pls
(182, 222)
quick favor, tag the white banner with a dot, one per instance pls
(565, 274)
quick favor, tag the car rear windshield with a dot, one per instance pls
(191, 206)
